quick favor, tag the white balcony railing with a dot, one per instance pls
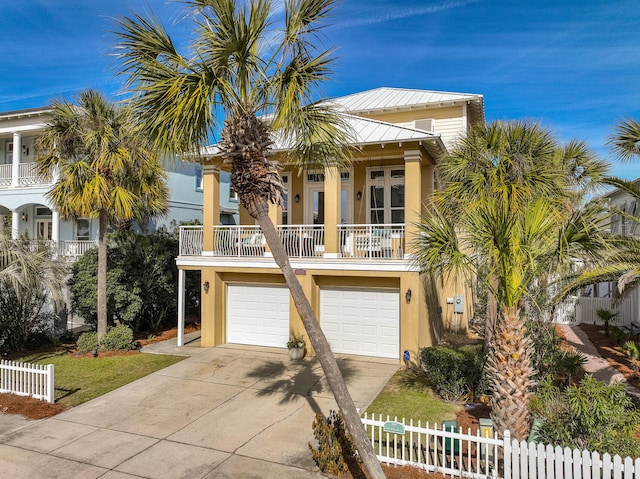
(72, 249)
(191, 240)
(66, 250)
(385, 241)
(27, 175)
(5, 175)
(300, 241)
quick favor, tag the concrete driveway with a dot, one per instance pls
(226, 412)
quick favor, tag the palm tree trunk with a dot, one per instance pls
(510, 374)
(318, 341)
(102, 274)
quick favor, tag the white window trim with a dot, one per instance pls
(311, 187)
(289, 198)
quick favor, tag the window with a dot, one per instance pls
(8, 156)
(285, 200)
(314, 197)
(386, 195)
(199, 179)
(43, 211)
(233, 194)
(82, 230)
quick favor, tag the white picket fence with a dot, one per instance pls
(25, 379)
(481, 455)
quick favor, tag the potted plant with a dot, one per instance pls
(296, 346)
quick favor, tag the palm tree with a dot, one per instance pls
(261, 80)
(623, 266)
(508, 213)
(107, 170)
(29, 279)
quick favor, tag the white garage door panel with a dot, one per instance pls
(258, 315)
(362, 322)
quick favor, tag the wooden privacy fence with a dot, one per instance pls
(25, 379)
(448, 450)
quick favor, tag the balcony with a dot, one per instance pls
(359, 242)
(66, 250)
(21, 175)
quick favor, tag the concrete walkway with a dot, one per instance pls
(225, 412)
(596, 365)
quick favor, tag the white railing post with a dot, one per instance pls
(50, 383)
(180, 341)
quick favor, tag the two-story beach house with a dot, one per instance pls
(348, 235)
(26, 210)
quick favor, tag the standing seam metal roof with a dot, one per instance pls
(396, 99)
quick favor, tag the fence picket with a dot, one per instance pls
(628, 468)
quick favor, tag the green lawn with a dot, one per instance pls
(78, 380)
(408, 396)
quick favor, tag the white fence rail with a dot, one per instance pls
(25, 379)
(447, 451)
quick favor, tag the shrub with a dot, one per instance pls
(546, 347)
(589, 415)
(455, 373)
(141, 281)
(87, 342)
(335, 447)
(118, 338)
(618, 334)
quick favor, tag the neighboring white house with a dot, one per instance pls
(25, 208)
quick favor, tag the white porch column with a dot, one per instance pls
(15, 224)
(55, 226)
(181, 273)
(17, 157)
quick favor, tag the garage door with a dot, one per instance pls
(258, 315)
(362, 322)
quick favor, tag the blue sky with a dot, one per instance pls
(574, 66)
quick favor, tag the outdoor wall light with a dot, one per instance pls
(25, 217)
(359, 195)
(205, 286)
(297, 198)
(407, 296)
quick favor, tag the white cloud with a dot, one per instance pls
(398, 13)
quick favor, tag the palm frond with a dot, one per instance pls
(625, 141)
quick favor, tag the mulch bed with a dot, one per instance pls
(28, 407)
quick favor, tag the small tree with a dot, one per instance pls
(605, 316)
(30, 289)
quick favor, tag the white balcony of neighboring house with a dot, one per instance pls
(65, 250)
(22, 175)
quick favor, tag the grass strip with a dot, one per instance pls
(408, 395)
(78, 380)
